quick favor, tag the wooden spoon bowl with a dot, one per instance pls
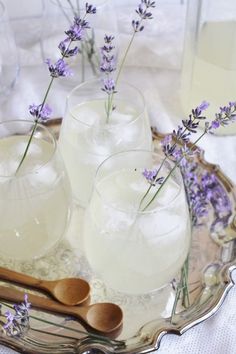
(68, 291)
(102, 317)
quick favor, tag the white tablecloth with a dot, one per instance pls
(160, 85)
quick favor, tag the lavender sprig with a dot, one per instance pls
(14, 327)
(144, 14)
(179, 154)
(108, 67)
(41, 112)
(18, 323)
(199, 190)
(202, 189)
(88, 45)
(109, 85)
(151, 177)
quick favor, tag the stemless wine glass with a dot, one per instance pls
(58, 16)
(34, 200)
(9, 66)
(135, 245)
(87, 138)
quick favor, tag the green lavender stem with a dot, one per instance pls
(71, 329)
(124, 58)
(171, 172)
(182, 288)
(27, 147)
(159, 169)
(88, 45)
(42, 105)
(150, 187)
(82, 63)
(34, 128)
(111, 97)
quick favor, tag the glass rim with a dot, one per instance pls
(138, 212)
(50, 135)
(101, 4)
(137, 117)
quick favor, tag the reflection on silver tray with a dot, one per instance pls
(146, 317)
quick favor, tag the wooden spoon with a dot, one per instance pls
(68, 291)
(102, 317)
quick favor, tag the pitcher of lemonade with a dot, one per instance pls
(209, 62)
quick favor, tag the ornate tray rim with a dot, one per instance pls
(151, 343)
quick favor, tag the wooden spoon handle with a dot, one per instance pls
(11, 275)
(14, 295)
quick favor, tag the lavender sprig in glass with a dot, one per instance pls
(41, 112)
(171, 145)
(108, 67)
(199, 191)
(108, 64)
(88, 45)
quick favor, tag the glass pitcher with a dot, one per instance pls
(209, 67)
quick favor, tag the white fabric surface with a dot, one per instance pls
(159, 82)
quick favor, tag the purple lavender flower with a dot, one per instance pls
(40, 113)
(196, 195)
(90, 9)
(144, 14)
(107, 48)
(190, 125)
(181, 135)
(75, 32)
(226, 109)
(65, 51)
(216, 195)
(136, 26)
(226, 115)
(167, 147)
(107, 67)
(18, 323)
(215, 124)
(151, 177)
(60, 68)
(203, 106)
(108, 39)
(149, 3)
(108, 63)
(10, 319)
(167, 140)
(108, 86)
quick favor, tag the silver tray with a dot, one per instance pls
(147, 317)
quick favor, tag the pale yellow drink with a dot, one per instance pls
(212, 76)
(136, 252)
(86, 140)
(34, 203)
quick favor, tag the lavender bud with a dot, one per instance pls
(90, 9)
(60, 68)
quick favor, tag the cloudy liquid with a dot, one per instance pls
(34, 203)
(135, 253)
(86, 145)
(214, 71)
